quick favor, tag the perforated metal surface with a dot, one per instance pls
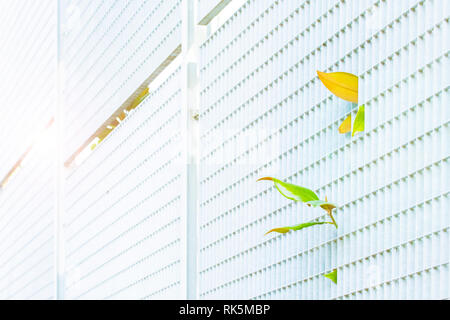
(264, 112)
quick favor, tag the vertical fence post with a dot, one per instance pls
(190, 138)
(59, 167)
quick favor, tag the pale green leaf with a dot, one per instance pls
(292, 191)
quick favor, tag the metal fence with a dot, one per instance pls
(166, 203)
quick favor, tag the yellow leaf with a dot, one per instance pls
(342, 84)
(346, 125)
(358, 126)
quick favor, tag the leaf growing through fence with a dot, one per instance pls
(332, 276)
(346, 125)
(292, 191)
(342, 84)
(297, 227)
(358, 126)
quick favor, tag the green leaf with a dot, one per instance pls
(358, 125)
(292, 191)
(332, 276)
(297, 227)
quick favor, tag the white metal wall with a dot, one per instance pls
(28, 94)
(264, 112)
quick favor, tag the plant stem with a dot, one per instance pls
(332, 218)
